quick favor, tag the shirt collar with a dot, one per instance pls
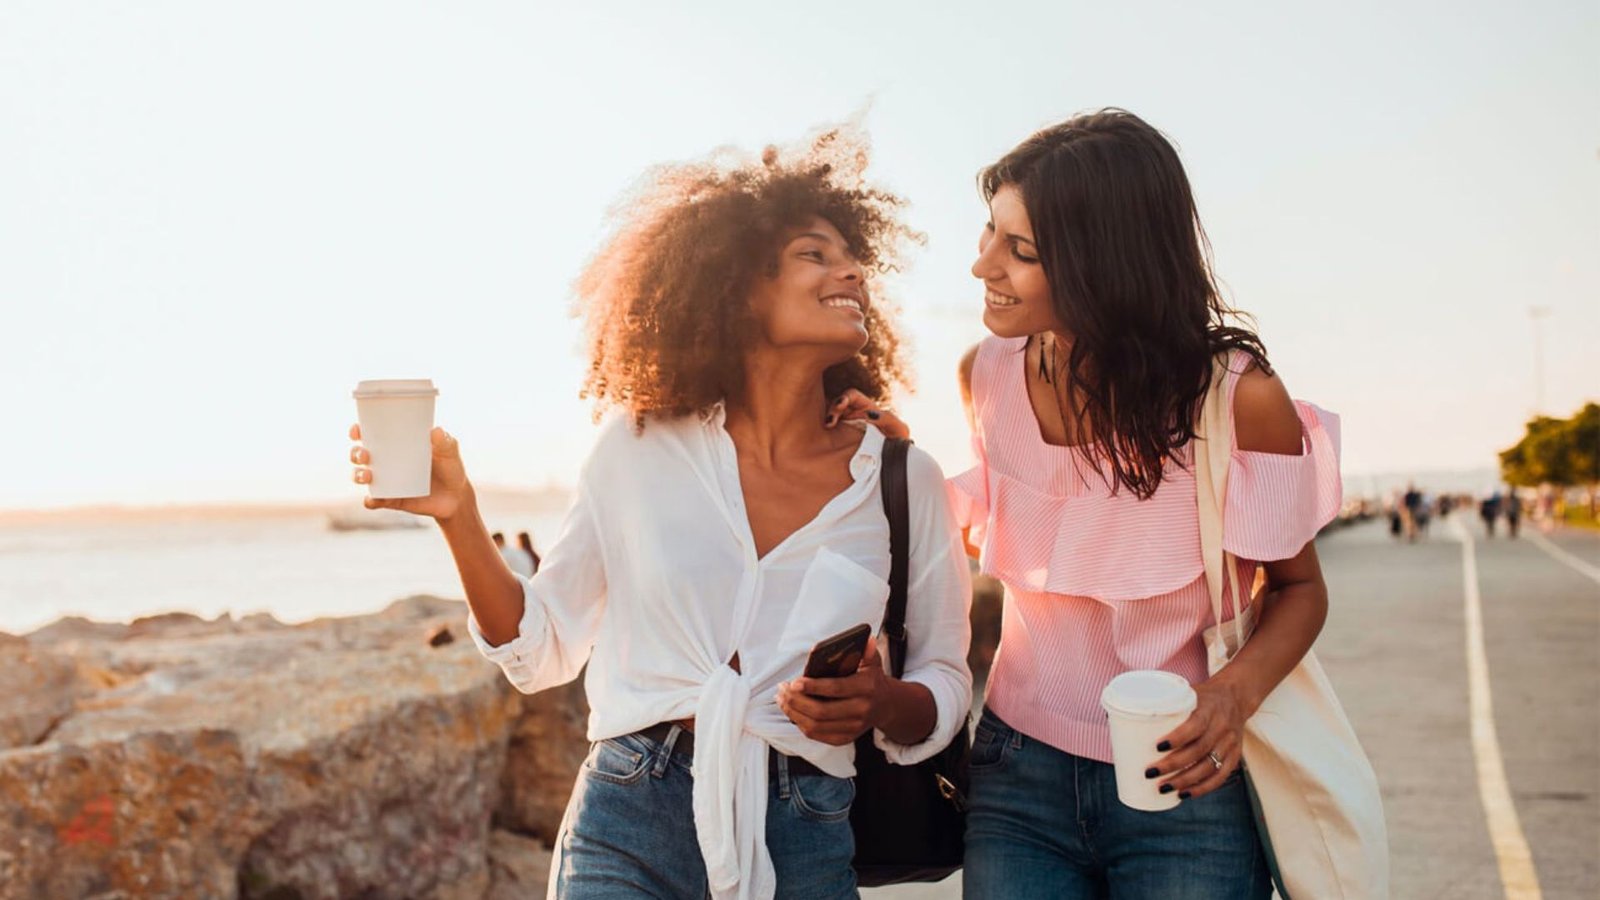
(866, 460)
(714, 415)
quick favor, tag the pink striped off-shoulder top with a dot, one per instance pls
(1099, 582)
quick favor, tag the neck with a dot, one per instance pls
(781, 411)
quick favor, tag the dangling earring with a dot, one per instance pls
(1047, 374)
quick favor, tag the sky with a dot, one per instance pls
(216, 218)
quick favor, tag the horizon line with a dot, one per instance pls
(306, 505)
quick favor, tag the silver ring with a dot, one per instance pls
(1215, 760)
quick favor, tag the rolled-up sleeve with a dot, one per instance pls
(562, 607)
(939, 596)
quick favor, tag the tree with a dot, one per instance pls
(1561, 452)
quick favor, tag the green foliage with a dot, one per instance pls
(1561, 452)
(1580, 517)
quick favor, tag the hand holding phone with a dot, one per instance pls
(839, 656)
(842, 693)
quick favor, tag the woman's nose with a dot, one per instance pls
(981, 268)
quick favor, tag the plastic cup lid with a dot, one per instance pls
(396, 387)
(1148, 692)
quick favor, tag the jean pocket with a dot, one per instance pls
(616, 762)
(822, 798)
(991, 744)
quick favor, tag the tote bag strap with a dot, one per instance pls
(896, 507)
(1213, 449)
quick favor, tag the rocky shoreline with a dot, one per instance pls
(374, 756)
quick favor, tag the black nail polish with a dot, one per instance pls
(874, 415)
(1152, 772)
(1183, 796)
(1166, 789)
(1164, 746)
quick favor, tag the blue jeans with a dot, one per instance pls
(1045, 823)
(629, 828)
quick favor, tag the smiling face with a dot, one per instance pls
(1016, 295)
(817, 296)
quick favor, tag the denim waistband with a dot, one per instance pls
(677, 741)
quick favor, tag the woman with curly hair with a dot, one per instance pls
(720, 529)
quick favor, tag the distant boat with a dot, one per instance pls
(373, 520)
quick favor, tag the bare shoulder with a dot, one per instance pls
(964, 369)
(964, 372)
(1264, 416)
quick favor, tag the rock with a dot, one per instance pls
(473, 887)
(176, 623)
(548, 745)
(157, 815)
(38, 689)
(337, 758)
(519, 867)
(76, 628)
(259, 622)
(440, 635)
(386, 796)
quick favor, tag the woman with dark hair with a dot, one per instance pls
(719, 531)
(1106, 321)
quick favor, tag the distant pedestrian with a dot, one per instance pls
(1513, 512)
(520, 562)
(1412, 512)
(1489, 509)
(525, 541)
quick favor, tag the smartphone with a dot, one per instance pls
(840, 655)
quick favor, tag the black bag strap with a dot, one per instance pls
(896, 507)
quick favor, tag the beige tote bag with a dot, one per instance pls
(1316, 796)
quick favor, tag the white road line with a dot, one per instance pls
(1517, 875)
(1545, 544)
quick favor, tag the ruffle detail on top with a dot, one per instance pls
(969, 501)
(1277, 503)
(1105, 546)
(1046, 522)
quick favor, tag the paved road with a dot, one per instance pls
(1395, 647)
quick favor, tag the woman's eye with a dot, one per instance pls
(1022, 258)
(814, 254)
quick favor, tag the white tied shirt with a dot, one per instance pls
(655, 583)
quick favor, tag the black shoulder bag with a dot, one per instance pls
(909, 821)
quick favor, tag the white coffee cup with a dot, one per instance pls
(1143, 707)
(396, 419)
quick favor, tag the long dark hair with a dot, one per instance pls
(1129, 268)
